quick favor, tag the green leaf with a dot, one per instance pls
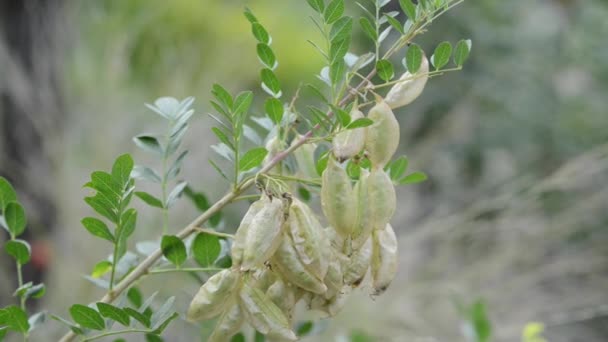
(176, 193)
(462, 51)
(341, 29)
(334, 11)
(249, 15)
(222, 95)
(336, 71)
(205, 249)
(259, 337)
(481, 323)
(304, 328)
(260, 33)
(442, 54)
(36, 291)
(238, 338)
(223, 137)
(101, 268)
(122, 168)
(338, 50)
(7, 193)
(395, 23)
(253, 158)
(385, 70)
(163, 313)
(409, 9)
(413, 58)
(3, 331)
(104, 182)
(398, 167)
(316, 5)
(125, 230)
(342, 116)
(113, 313)
(19, 249)
(173, 249)
(141, 318)
(36, 320)
(150, 337)
(102, 206)
(368, 28)
(148, 143)
(270, 83)
(413, 178)
(135, 296)
(321, 164)
(14, 216)
(149, 199)
(87, 317)
(266, 56)
(162, 325)
(242, 102)
(97, 228)
(145, 173)
(77, 330)
(274, 109)
(14, 318)
(362, 122)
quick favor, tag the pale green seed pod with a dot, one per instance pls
(384, 259)
(332, 306)
(349, 143)
(405, 92)
(284, 296)
(382, 137)
(264, 234)
(213, 296)
(240, 238)
(263, 278)
(229, 324)
(334, 280)
(305, 158)
(355, 267)
(287, 263)
(263, 314)
(337, 241)
(381, 198)
(274, 146)
(337, 200)
(308, 238)
(363, 223)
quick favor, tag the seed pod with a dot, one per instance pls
(405, 92)
(213, 296)
(332, 306)
(263, 314)
(334, 279)
(381, 198)
(349, 143)
(284, 296)
(355, 267)
(337, 198)
(337, 241)
(382, 138)
(240, 238)
(263, 278)
(305, 158)
(264, 234)
(228, 325)
(287, 263)
(308, 238)
(273, 146)
(384, 258)
(363, 223)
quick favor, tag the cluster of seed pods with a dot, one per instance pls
(282, 254)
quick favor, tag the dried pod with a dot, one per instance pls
(337, 198)
(287, 263)
(284, 296)
(384, 258)
(213, 296)
(381, 198)
(264, 234)
(263, 314)
(382, 137)
(334, 279)
(349, 143)
(363, 222)
(240, 238)
(228, 325)
(355, 267)
(305, 158)
(308, 238)
(405, 92)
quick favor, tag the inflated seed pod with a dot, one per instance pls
(337, 241)
(264, 234)
(308, 238)
(229, 324)
(405, 92)
(273, 146)
(349, 143)
(381, 198)
(284, 296)
(213, 296)
(334, 280)
(333, 305)
(262, 278)
(355, 267)
(263, 314)
(337, 200)
(382, 137)
(240, 238)
(363, 223)
(288, 264)
(384, 258)
(305, 158)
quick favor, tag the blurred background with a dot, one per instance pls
(515, 211)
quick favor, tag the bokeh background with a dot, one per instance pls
(515, 211)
